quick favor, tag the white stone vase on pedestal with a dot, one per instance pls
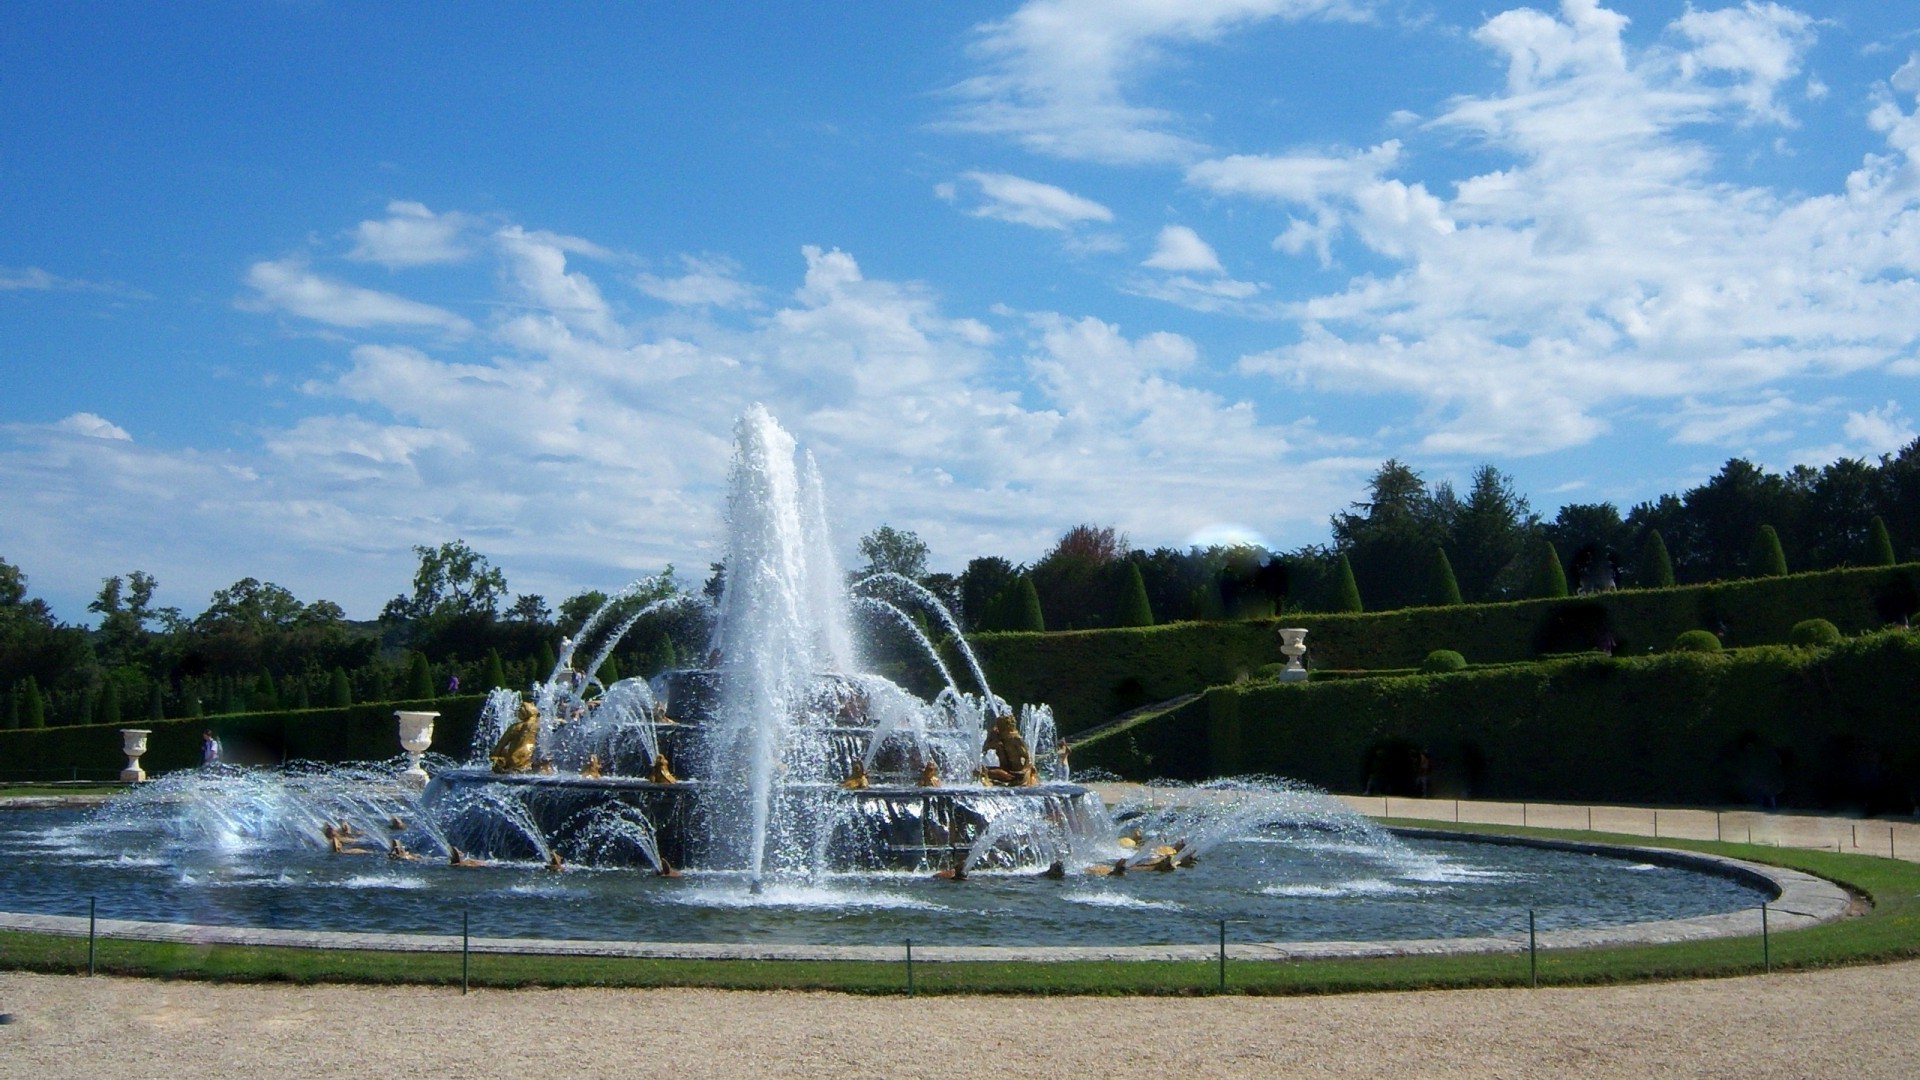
(1293, 645)
(416, 734)
(133, 742)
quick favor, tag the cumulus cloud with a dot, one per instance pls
(412, 235)
(1181, 249)
(35, 279)
(1026, 202)
(707, 282)
(1603, 263)
(289, 285)
(93, 427)
(1058, 72)
(1884, 430)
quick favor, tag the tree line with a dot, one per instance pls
(1409, 542)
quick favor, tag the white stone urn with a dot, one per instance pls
(416, 734)
(1293, 645)
(133, 741)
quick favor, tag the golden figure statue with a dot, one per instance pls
(858, 781)
(456, 857)
(662, 770)
(397, 852)
(338, 841)
(1016, 761)
(930, 775)
(592, 769)
(660, 714)
(555, 863)
(514, 752)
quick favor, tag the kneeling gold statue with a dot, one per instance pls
(858, 780)
(514, 752)
(662, 770)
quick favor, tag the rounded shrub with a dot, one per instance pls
(1815, 632)
(1696, 641)
(1441, 661)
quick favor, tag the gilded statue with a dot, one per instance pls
(930, 775)
(1016, 767)
(662, 770)
(592, 770)
(858, 780)
(514, 752)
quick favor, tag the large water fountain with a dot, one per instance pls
(780, 792)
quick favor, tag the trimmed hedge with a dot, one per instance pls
(1816, 632)
(1441, 661)
(1696, 641)
(1089, 676)
(355, 733)
(1770, 725)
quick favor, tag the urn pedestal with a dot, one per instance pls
(416, 734)
(1293, 645)
(133, 742)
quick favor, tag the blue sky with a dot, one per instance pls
(287, 288)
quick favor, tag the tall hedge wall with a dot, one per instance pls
(355, 733)
(1768, 725)
(1089, 676)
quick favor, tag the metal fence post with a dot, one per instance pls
(1766, 942)
(92, 907)
(909, 967)
(1223, 956)
(465, 955)
(1533, 952)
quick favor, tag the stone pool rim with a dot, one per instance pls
(1799, 900)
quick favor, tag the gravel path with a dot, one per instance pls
(1854, 1022)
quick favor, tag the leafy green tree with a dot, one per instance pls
(1549, 579)
(1656, 568)
(1768, 558)
(453, 581)
(984, 579)
(33, 705)
(1488, 532)
(13, 707)
(1879, 544)
(1346, 591)
(1728, 511)
(1078, 579)
(893, 551)
(1135, 609)
(339, 689)
(494, 675)
(419, 678)
(1442, 588)
(126, 611)
(1387, 537)
(530, 608)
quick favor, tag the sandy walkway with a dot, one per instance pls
(1857, 1022)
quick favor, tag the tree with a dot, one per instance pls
(1026, 606)
(1386, 538)
(893, 551)
(544, 661)
(1346, 591)
(1656, 569)
(1079, 577)
(1135, 610)
(576, 610)
(1729, 510)
(984, 579)
(453, 581)
(530, 608)
(1489, 531)
(1879, 544)
(266, 694)
(1549, 580)
(106, 707)
(1442, 588)
(1768, 559)
(156, 701)
(125, 611)
(494, 675)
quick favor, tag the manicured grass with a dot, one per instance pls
(15, 791)
(1890, 932)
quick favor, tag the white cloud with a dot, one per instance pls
(1759, 45)
(288, 285)
(413, 235)
(34, 279)
(1181, 249)
(93, 427)
(1698, 423)
(1028, 202)
(1058, 71)
(1296, 178)
(1879, 431)
(708, 282)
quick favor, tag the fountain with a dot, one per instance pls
(782, 793)
(752, 774)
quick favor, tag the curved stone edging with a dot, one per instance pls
(1801, 900)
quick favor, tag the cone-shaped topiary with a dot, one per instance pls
(609, 672)
(494, 675)
(1026, 606)
(1443, 589)
(1768, 559)
(1879, 544)
(1656, 568)
(419, 678)
(106, 707)
(1346, 591)
(339, 689)
(1441, 661)
(33, 706)
(266, 696)
(1135, 608)
(1549, 580)
(156, 701)
(543, 662)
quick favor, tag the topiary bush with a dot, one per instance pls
(1696, 641)
(1441, 661)
(1815, 632)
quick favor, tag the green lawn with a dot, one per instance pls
(1890, 932)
